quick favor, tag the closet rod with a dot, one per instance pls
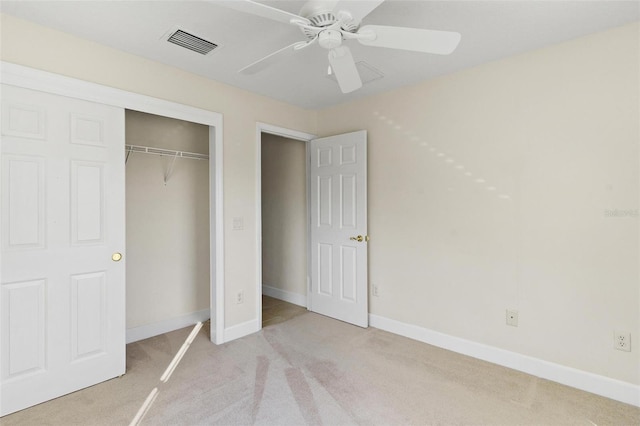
(167, 152)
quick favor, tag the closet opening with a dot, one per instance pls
(167, 224)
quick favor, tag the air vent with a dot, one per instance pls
(191, 42)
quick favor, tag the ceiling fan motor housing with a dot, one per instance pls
(320, 16)
(318, 13)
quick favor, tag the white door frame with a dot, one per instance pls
(290, 134)
(30, 78)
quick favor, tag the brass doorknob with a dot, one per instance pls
(116, 257)
(359, 238)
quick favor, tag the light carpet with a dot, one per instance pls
(315, 370)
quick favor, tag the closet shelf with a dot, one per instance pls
(167, 152)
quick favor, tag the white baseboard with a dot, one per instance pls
(240, 330)
(287, 296)
(599, 385)
(150, 330)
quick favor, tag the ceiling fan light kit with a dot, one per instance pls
(330, 39)
(332, 22)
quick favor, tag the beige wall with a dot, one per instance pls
(38, 47)
(553, 135)
(167, 225)
(284, 214)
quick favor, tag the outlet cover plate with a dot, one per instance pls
(622, 341)
(512, 317)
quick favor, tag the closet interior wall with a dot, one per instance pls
(167, 223)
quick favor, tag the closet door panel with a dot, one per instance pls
(62, 324)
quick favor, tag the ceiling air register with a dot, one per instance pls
(191, 42)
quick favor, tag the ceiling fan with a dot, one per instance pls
(331, 22)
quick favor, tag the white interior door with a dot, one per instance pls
(62, 295)
(338, 173)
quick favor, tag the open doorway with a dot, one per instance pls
(284, 229)
(283, 277)
(336, 247)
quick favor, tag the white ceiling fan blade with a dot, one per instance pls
(276, 56)
(263, 10)
(358, 9)
(415, 39)
(344, 67)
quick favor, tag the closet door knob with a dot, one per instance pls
(116, 257)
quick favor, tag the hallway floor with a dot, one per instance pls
(275, 311)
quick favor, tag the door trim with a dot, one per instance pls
(30, 78)
(290, 134)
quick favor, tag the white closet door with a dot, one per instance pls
(62, 290)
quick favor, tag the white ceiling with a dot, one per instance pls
(490, 30)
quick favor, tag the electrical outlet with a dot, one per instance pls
(622, 341)
(240, 297)
(512, 318)
(375, 290)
